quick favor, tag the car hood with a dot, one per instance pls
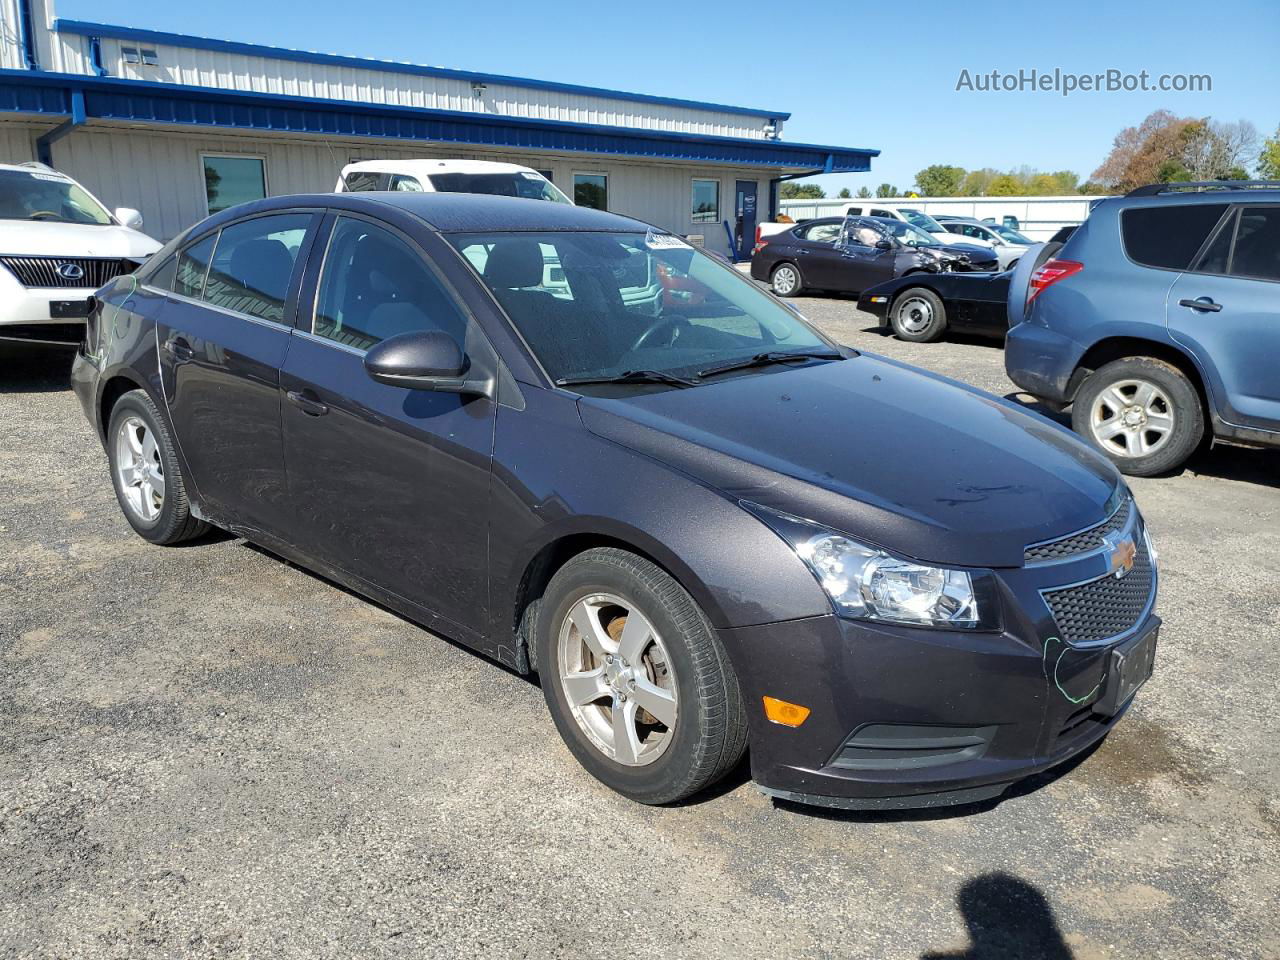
(907, 460)
(35, 238)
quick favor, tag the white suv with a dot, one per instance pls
(58, 244)
(448, 176)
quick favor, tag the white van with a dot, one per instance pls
(448, 176)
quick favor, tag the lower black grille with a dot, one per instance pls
(1106, 607)
(66, 272)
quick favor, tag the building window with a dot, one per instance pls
(591, 190)
(232, 180)
(706, 201)
(546, 175)
(130, 55)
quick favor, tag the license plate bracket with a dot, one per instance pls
(69, 309)
(1129, 668)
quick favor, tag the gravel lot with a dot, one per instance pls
(205, 751)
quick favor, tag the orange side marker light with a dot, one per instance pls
(787, 714)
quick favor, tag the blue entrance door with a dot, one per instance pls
(744, 231)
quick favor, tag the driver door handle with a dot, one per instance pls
(307, 402)
(1202, 304)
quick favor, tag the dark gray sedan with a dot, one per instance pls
(851, 254)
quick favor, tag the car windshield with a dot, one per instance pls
(911, 236)
(517, 183)
(921, 220)
(36, 195)
(1011, 235)
(601, 305)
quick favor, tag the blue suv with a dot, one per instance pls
(1158, 321)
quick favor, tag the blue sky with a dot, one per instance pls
(859, 74)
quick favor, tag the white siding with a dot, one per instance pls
(17, 142)
(235, 71)
(159, 173)
(1038, 217)
(10, 36)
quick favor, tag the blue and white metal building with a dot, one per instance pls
(139, 116)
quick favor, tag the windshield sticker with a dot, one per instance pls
(531, 176)
(664, 241)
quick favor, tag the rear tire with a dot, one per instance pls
(642, 693)
(786, 280)
(918, 316)
(144, 471)
(1143, 413)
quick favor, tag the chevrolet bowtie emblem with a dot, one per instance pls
(1122, 554)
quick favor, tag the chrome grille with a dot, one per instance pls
(1084, 542)
(43, 271)
(1103, 608)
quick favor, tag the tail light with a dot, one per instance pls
(1049, 273)
(761, 242)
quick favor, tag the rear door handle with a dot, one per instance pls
(305, 401)
(1202, 304)
(178, 348)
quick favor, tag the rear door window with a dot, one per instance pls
(254, 263)
(822, 233)
(193, 264)
(365, 180)
(1168, 236)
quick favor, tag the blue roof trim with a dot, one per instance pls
(89, 29)
(141, 101)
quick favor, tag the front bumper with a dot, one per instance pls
(972, 713)
(876, 304)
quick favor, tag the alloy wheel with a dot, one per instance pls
(1132, 418)
(785, 280)
(139, 468)
(617, 679)
(915, 315)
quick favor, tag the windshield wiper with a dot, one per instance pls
(630, 376)
(773, 356)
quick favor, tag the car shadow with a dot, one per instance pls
(1007, 919)
(29, 369)
(964, 339)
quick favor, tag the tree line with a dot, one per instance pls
(1164, 148)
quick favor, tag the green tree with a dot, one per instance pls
(1269, 158)
(977, 182)
(801, 191)
(1042, 185)
(844, 193)
(940, 180)
(1067, 181)
(1091, 188)
(864, 193)
(1005, 185)
(886, 190)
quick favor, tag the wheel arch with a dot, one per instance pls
(560, 546)
(1117, 348)
(113, 388)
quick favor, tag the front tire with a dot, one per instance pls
(918, 316)
(786, 280)
(635, 678)
(1143, 413)
(144, 471)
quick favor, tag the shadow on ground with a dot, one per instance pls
(25, 369)
(1007, 919)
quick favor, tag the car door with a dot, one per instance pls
(223, 333)
(818, 247)
(863, 264)
(1226, 312)
(388, 484)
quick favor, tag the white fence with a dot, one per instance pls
(1038, 217)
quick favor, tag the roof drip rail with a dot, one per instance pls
(1155, 189)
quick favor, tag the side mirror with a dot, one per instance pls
(884, 244)
(425, 360)
(129, 217)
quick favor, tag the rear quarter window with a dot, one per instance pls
(1168, 236)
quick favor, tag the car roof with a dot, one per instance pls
(1224, 195)
(456, 212)
(425, 166)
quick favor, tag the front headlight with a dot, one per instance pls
(868, 583)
